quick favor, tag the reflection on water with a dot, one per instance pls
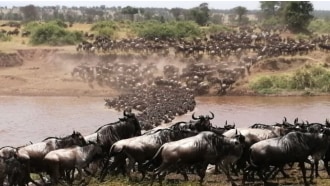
(25, 119)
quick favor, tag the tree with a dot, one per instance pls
(269, 8)
(130, 11)
(201, 14)
(176, 12)
(30, 12)
(298, 15)
(240, 11)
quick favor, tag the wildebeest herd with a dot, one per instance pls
(205, 65)
(185, 147)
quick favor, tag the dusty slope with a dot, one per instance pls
(43, 73)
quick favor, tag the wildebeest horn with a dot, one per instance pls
(226, 123)
(234, 127)
(327, 122)
(295, 121)
(212, 115)
(193, 116)
(236, 132)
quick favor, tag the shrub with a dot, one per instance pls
(213, 29)
(181, 29)
(53, 34)
(105, 28)
(4, 37)
(319, 26)
(312, 77)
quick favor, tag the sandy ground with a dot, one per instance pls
(43, 73)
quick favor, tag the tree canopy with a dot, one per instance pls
(30, 12)
(298, 15)
(240, 11)
(201, 14)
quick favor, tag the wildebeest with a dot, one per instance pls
(200, 150)
(7, 151)
(252, 136)
(71, 158)
(202, 123)
(16, 172)
(293, 147)
(33, 154)
(142, 148)
(126, 127)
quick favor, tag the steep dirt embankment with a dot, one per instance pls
(45, 72)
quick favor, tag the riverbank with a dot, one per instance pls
(47, 72)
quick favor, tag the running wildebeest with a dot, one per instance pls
(71, 158)
(126, 127)
(202, 123)
(142, 148)
(33, 154)
(293, 147)
(200, 150)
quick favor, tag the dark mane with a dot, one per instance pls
(7, 146)
(305, 140)
(50, 138)
(106, 125)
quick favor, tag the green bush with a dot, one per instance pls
(105, 28)
(180, 29)
(31, 26)
(53, 34)
(213, 29)
(4, 37)
(319, 26)
(271, 22)
(59, 23)
(314, 77)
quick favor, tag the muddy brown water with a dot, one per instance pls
(25, 119)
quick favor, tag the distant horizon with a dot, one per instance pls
(220, 5)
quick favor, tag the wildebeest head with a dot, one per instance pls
(131, 118)
(7, 151)
(202, 123)
(78, 139)
(228, 127)
(239, 137)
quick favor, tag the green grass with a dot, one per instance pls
(308, 79)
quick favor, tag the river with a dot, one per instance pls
(25, 119)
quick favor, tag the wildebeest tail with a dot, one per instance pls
(154, 161)
(251, 160)
(114, 150)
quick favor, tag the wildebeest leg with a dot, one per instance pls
(105, 169)
(142, 170)
(246, 172)
(303, 170)
(130, 167)
(326, 165)
(261, 176)
(201, 171)
(276, 170)
(225, 166)
(184, 174)
(160, 172)
(316, 164)
(312, 163)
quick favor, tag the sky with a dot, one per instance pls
(250, 5)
